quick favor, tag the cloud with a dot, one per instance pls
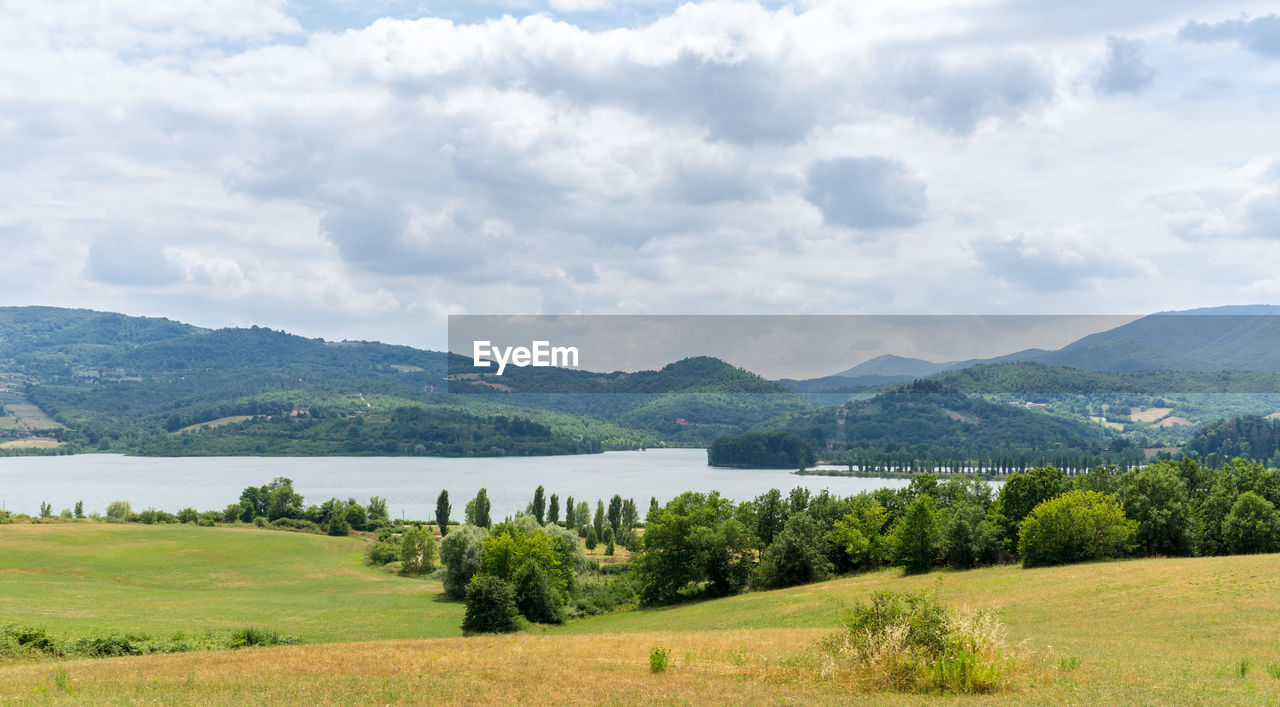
(868, 193)
(1260, 35)
(130, 261)
(957, 94)
(1050, 262)
(1124, 70)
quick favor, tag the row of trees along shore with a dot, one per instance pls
(534, 565)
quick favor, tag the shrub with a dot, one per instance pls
(378, 554)
(119, 510)
(417, 551)
(658, 659)
(304, 526)
(338, 525)
(188, 515)
(911, 642)
(491, 606)
(591, 539)
(1078, 526)
(536, 599)
(252, 636)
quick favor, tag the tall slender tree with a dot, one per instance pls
(443, 509)
(539, 505)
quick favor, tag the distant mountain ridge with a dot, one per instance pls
(1230, 338)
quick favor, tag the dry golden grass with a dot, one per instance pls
(30, 443)
(1150, 414)
(213, 423)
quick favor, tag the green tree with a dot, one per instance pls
(630, 516)
(796, 556)
(608, 540)
(377, 512)
(1156, 497)
(46, 510)
(357, 518)
(771, 515)
(861, 533)
(615, 513)
(591, 540)
(583, 515)
(968, 538)
(553, 510)
(338, 525)
(119, 510)
(460, 553)
(536, 599)
(1077, 526)
(478, 510)
(694, 542)
(1252, 525)
(491, 606)
(79, 509)
(598, 521)
(282, 502)
(916, 535)
(443, 509)
(417, 551)
(570, 514)
(539, 505)
(1023, 492)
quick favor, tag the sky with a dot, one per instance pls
(361, 170)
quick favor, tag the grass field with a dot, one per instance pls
(213, 423)
(159, 579)
(30, 443)
(1144, 631)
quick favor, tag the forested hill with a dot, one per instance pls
(54, 341)
(697, 374)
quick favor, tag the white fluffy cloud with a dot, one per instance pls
(314, 167)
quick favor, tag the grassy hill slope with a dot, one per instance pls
(1159, 630)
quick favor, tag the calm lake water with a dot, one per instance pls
(410, 484)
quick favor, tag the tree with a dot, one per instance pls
(1023, 492)
(598, 521)
(46, 509)
(539, 505)
(693, 540)
(861, 533)
(356, 516)
(460, 553)
(591, 540)
(608, 540)
(1252, 526)
(630, 516)
(417, 551)
(553, 510)
(377, 512)
(615, 513)
(443, 509)
(1156, 497)
(653, 508)
(478, 510)
(282, 502)
(969, 539)
(570, 514)
(536, 599)
(79, 509)
(583, 516)
(1077, 526)
(796, 556)
(915, 535)
(338, 525)
(771, 515)
(491, 606)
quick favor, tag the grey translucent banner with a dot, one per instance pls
(1175, 353)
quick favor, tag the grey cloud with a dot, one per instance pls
(1043, 265)
(867, 193)
(1260, 35)
(956, 96)
(130, 261)
(1124, 70)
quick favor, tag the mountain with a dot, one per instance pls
(889, 365)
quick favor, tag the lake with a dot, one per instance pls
(410, 484)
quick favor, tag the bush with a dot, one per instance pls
(338, 525)
(119, 510)
(251, 636)
(293, 524)
(911, 642)
(536, 599)
(460, 553)
(379, 554)
(491, 606)
(658, 659)
(1078, 526)
(188, 515)
(417, 551)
